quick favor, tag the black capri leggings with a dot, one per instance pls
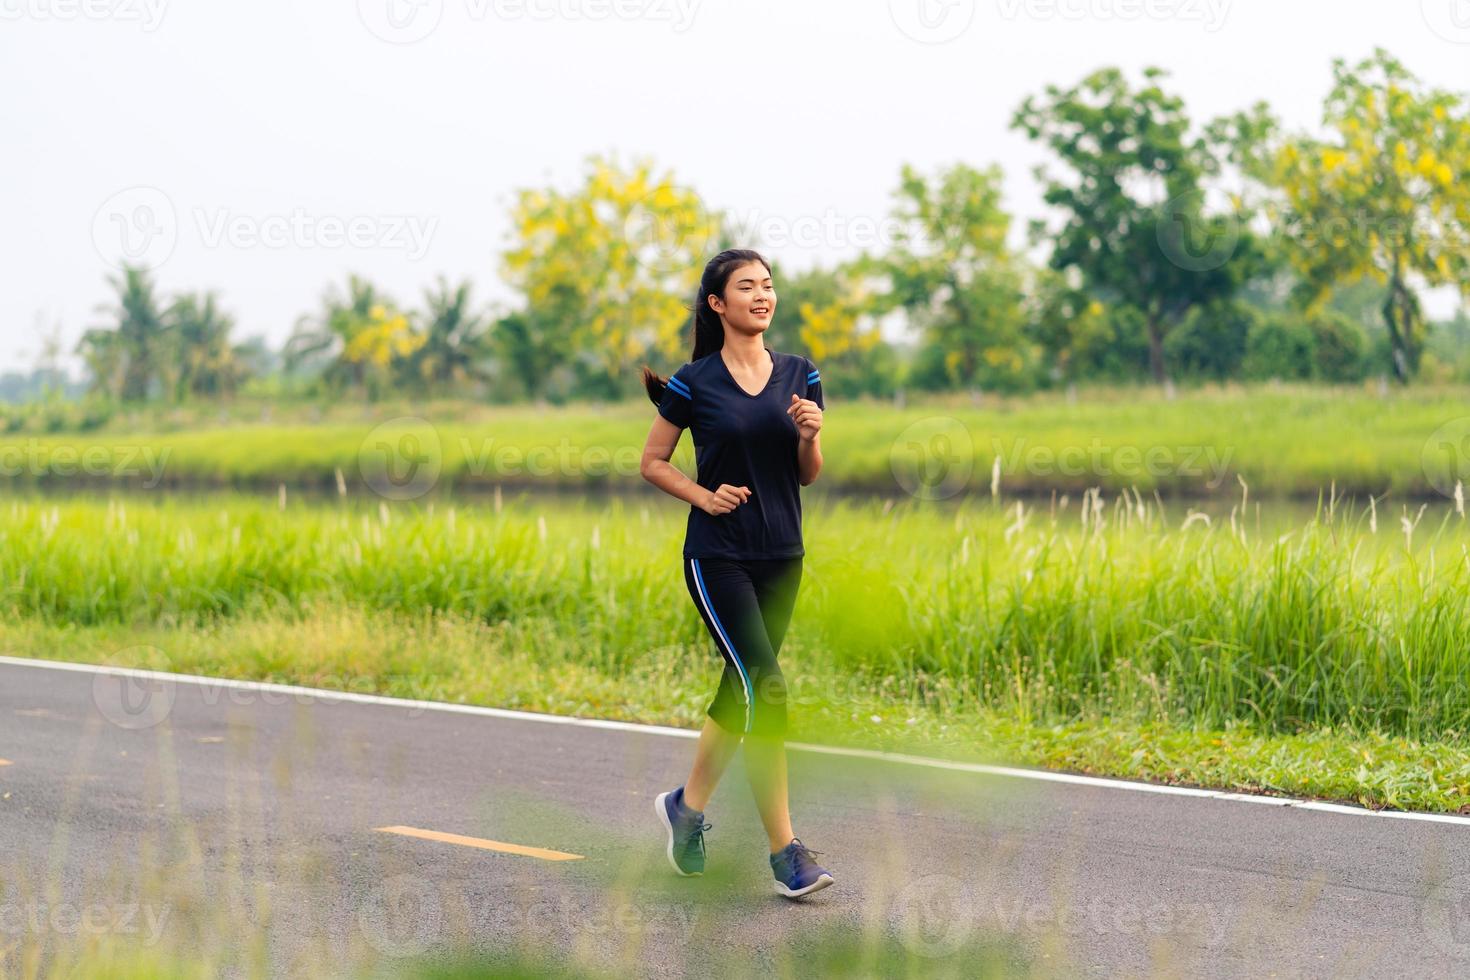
(746, 606)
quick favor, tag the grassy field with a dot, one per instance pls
(1322, 656)
(1283, 440)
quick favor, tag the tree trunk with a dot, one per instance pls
(1156, 350)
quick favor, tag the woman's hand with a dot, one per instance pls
(725, 499)
(807, 416)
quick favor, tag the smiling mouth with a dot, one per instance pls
(761, 311)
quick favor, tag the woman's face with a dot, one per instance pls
(750, 299)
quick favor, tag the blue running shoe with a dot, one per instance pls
(686, 832)
(797, 874)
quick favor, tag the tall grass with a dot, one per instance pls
(1044, 614)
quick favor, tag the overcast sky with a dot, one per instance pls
(267, 148)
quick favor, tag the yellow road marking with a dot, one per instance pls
(4, 762)
(480, 842)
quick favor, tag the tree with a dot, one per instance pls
(383, 340)
(953, 274)
(828, 313)
(607, 270)
(1135, 221)
(321, 341)
(124, 356)
(203, 362)
(1385, 196)
(455, 339)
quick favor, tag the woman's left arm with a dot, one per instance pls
(807, 415)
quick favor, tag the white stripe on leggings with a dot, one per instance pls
(719, 627)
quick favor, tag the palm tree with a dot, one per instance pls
(124, 357)
(323, 339)
(455, 340)
(207, 364)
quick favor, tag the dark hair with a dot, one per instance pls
(709, 333)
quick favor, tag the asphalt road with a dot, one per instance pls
(246, 824)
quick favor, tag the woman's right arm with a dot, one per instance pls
(663, 438)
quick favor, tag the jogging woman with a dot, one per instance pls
(755, 415)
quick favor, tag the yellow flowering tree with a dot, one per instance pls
(1386, 196)
(609, 269)
(382, 339)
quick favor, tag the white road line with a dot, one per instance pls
(1042, 775)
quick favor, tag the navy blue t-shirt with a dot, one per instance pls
(744, 440)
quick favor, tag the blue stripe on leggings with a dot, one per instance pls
(710, 608)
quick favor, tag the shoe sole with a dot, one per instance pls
(822, 882)
(663, 818)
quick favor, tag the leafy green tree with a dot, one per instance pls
(204, 362)
(1385, 196)
(1135, 222)
(951, 271)
(125, 355)
(320, 341)
(828, 314)
(1211, 342)
(455, 340)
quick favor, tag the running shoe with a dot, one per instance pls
(686, 832)
(797, 873)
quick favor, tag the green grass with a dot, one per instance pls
(1321, 658)
(1295, 440)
